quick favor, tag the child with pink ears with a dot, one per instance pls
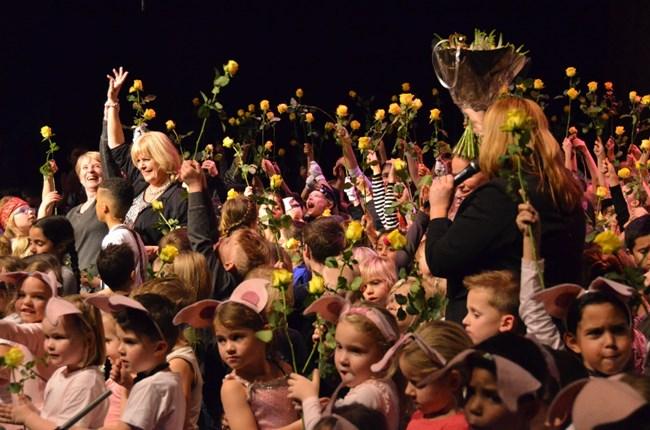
(255, 394)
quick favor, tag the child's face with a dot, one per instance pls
(139, 354)
(32, 299)
(355, 353)
(239, 348)
(640, 252)
(376, 290)
(100, 204)
(63, 343)
(603, 338)
(23, 218)
(110, 336)
(482, 320)
(384, 249)
(38, 243)
(484, 409)
(433, 399)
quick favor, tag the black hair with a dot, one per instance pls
(360, 415)
(121, 194)
(142, 324)
(115, 264)
(58, 229)
(574, 314)
(635, 229)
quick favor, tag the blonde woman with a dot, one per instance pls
(484, 236)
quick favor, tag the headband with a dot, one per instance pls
(48, 278)
(430, 352)
(57, 307)
(10, 205)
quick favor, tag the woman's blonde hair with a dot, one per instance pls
(92, 155)
(157, 146)
(545, 162)
(90, 326)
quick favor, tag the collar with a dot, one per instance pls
(143, 375)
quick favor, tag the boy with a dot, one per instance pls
(324, 238)
(637, 241)
(492, 304)
(114, 198)
(116, 267)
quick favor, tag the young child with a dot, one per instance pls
(144, 327)
(378, 275)
(363, 335)
(16, 217)
(354, 416)
(116, 268)
(323, 238)
(74, 341)
(118, 392)
(435, 393)
(254, 394)
(114, 198)
(492, 304)
(637, 241)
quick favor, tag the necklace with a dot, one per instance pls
(154, 192)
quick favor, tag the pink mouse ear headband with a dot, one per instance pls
(117, 303)
(430, 352)
(48, 278)
(332, 308)
(251, 293)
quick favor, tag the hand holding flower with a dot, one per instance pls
(301, 388)
(190, 173)
(210, 167)
(440, 193)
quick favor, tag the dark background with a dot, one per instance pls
(55, 55)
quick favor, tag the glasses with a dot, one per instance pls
(25, 210)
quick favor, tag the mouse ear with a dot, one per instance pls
(57, 307)
(251, 293)
(198, 315)
(557, 299)
(624, 292)
(115, 303)
(328, 307)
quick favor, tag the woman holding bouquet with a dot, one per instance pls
(150, 163)
(484, 236)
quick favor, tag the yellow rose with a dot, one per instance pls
(264, 105)
(624, 173)
(168, 253)
(396, 239)
(149, 114)
(608, 86)
(327, 212)
(251, 108)
(227, 142)
(619, 130)
(232, 194)
(592, 86)
(292, 116)
(647, 164)
(573, 130)
(364, 143)
(380, 114)
(241, 113)
(417, 104)
(209, 149)
(342, 111)
(232, 121)
(406, 99)
(316, 285)
(46, 132)
(354, 231)
(601, 192)
(137, 84)
(538, 84)
(406, 87)
(632, 96)
(570, 72)
(434, 115)
(281, 152)
(231, 68)
(270, 115)
(14, 357)
(292, 244)
(132, 89)
(521, 86)
(352, 94)
(645, 100)
(638, 165)
(572, 93)
(281, 278)
(282, 108)
(309, 117)
(608, 241)
(329, 126)
(399, 164)
(355, 125)
(170, 124)
(196, 101)
(516, 119)
(268, 145)
(299, 93)
(394, 109)
(157, 205)
(645, 144)
(276, 182)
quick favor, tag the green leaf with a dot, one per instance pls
(15, 388)
(264, 335)
(356, 283)
(222, 81)
(341, 283)
(331, 262)
(205, 98)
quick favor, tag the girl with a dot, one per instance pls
(236, 213)
(74, 341)
(378, 276)
(119, 393)
(16, 217)
(55, 235)
(363, 335)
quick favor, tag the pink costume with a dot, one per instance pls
(452, 422)
(269, 402)
(114, 413)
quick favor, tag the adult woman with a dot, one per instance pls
(484, 235)
(149, 163)
(16, 217)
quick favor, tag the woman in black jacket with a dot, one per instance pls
(484, 236)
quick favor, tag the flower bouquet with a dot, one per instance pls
(474, 74)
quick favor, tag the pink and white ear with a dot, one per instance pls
(559, 412)
(13, 277)
(50, 279)
(513, 381)
(198, 315)
(385, 361)
(557, 299)
(115, 303)
(625, 292)
(328, 307)
(251, 293)
(57, 307)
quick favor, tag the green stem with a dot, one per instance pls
(524, 197)
(198, 139)
(309, 357)
(285, 327)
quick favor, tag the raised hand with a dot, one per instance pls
(210, 167)
(190, 173)
(598, 149)
(440, 192)
(115, 83)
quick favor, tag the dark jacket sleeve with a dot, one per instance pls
(122, 157)
(109, 166)
(404, 257)
(620, 205)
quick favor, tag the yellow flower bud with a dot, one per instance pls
(281, 278)
(168, 253)
(231, 68)
(608, 241)
(327, 212)
(270, 115)
(592, 86)
(624, 173)
(399, 164)
(619, 130)
(309, 117)
(292, 244)
(352, 94)
(434, 92)
(396, 239)
(232, 194)
(316, 285)
(406, 87)
(354, 231)
(170, 124)
(299, 93)
(394, 109)
(264, 105)
(157, 205)
(521, 87)
(46, 132)
(137, 84)
(241, 113)
(232, 121)
(268, 145)
(632, 96)
(282, 108)
(572, 93)
(14, 357)
(380, 114)
(251, 108)
(538, 84)
(645, 100)
(645, 144)
(227, 142)
(434, 115)
(364, 143)
(570, 72)
(601, 192)
(608, 86)
(355, 125)
(342, 111)
(196, 101)
(417, 104)
(406, 99)
(276, 182)
(149, 114)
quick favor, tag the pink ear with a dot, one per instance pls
(115, 303)
(560, 410)
(13, 277)
(602, 284)
(198, 315)
(557, 299)
(327, 307)
(251, 293)
(58, 307)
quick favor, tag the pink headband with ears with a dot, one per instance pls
(48, 278)
(332, 308)
(57, 307)
(251, 293)
(433, 355)
(116, 303)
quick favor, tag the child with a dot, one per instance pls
(637, 241)
(116, 268)
(378, 275)
(363, 335)
(16, 217)
(354, 416)
(74, 341)
(236, 213)
(118, 392)
(54, 235)
(436, 394)
(114, 198)
(144, 327)
(492, 304)
(323, 238)
(254, 394)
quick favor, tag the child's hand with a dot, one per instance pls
(598, 149)
(23, 409)
(121, 375)
(301, 388)
(440, 193)
(210, 167)
(527, 216)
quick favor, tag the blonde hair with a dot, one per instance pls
(192, 268)
(91, 327)
(376, 266)
(92, 155)
(545, 162)
(12, 242)
(255, 250)
(362, 254)
(503, 287)
(157, 146)
(171, 288)
(239, 212)
(367, 327)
